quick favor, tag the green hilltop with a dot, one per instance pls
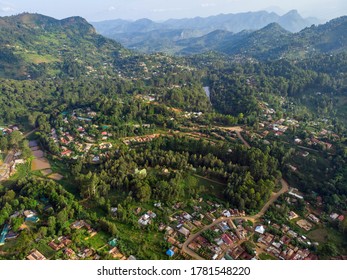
(34, 45)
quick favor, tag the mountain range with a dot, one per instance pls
(274, 42)
(34, 45)
(148, 36)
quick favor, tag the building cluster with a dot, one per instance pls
(78, 136)
(279, 243)
(8, 234)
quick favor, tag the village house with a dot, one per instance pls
(185, 232)
(194, 246)
(227, 239)
(35, 255)
(341, 218)
(266, 239)
(146, 218)
(334, 216)
(304, 224)
(285, 240)
(116, 254)
(273, 251)
(260, 229)
(70, 253)
(313, 218)
(292, 233)
(292, 215)
(29, 213)
(55, 246)
(236, 252)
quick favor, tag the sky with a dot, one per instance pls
(97, 10)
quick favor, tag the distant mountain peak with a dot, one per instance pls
(65, 47)
(79, 24)
(293, 13)
(34, 20)
(144, 21)
(274, 26)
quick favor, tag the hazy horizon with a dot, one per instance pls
(159, 11)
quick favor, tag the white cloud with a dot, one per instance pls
(159, 10)
(208, 5)
(166, 10)
(112, 8)
(6, 7)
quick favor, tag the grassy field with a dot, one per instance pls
(142, 243)
(264, 256)
(322, 235)
(61, 168)
(47, 251)
(99, 240)
(37, 59)
(213, 188)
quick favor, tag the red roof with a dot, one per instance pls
(66, 152)
(227, 239)
(341, 218)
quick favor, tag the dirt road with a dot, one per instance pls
(6, 166)
(254, 218)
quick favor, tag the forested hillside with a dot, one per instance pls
(129, 154)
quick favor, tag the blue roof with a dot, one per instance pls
(113, 242)
(170, 253)
(33, 219)
(3, 234)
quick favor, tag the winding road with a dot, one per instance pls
(254, 218)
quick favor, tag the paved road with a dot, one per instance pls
(256, 217)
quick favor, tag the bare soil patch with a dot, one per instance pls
(46, 172)
(40, 164)
(38, 154)
(56, 176)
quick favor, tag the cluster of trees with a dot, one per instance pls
(25, 101)
(250, 173)
(236, 87)
(15, 141)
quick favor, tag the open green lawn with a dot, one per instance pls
(140, 242)
(37, 59)
(8, 247)
(99, 240)
(47, 251)
(320, 235)
(59, 167)
(212, 189)
(264, 256)
(323, 235)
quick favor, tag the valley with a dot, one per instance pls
(235, 152)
